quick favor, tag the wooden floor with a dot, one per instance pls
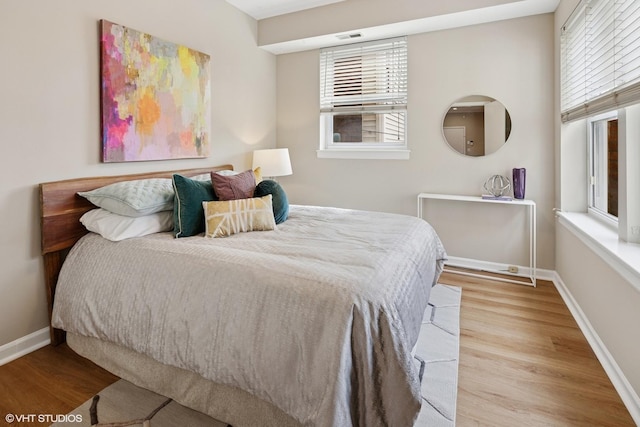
(52, 380)
(523, 362)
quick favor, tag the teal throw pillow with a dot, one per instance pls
(188, 214)
(279, 198)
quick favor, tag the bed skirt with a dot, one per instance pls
(224, 403)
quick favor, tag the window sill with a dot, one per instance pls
(388, 154)
(622, 256)
(605, 218)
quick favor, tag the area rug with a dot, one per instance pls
(123, 404)
(436, 357)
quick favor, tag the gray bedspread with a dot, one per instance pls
(318, 317)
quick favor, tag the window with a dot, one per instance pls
(600, 58)
(600, 72)
(603, 194)
(363, 99)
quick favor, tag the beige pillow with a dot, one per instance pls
(224, 218)
(258, 174)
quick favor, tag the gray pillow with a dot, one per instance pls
(133, 198)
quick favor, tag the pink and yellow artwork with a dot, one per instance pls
(155, 97)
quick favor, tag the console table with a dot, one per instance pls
(529, 205)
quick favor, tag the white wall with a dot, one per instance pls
(50, 113)
(608, 300)
(511, 61)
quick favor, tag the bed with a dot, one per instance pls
(312, 323)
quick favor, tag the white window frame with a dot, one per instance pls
(598, 176)
(389, 66)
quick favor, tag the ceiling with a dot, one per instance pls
(506, 9)
(260, 9)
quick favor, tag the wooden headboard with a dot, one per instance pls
(60, 227)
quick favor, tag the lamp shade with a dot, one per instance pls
(273, 162)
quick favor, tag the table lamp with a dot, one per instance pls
(273, 162)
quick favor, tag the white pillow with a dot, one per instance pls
(202, 177)
(119, 227)
(134, 198)
(226, 172)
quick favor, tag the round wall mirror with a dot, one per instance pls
(476, 125)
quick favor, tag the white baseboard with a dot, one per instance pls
(21, 346)
(494, 267)
(623, 387)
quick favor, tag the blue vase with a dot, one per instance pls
(519, 182)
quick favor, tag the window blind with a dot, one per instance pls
(600, 58)
(364, 76)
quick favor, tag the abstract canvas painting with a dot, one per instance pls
(155, 97)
